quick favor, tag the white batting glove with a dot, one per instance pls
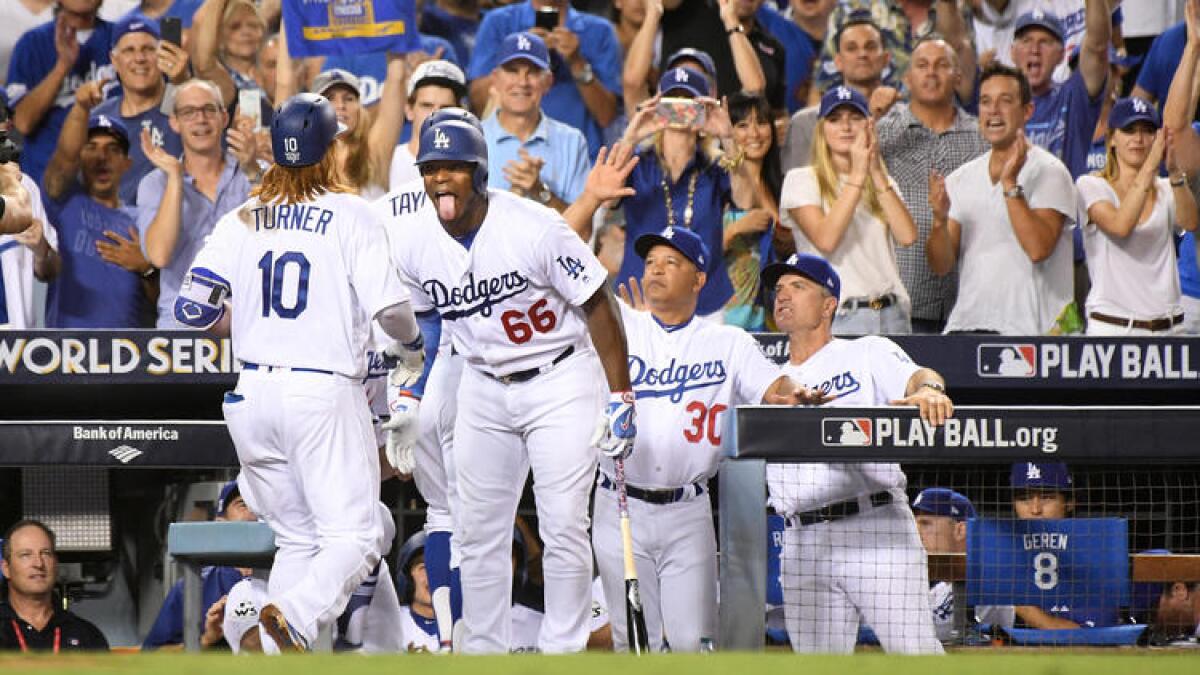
(401, 430)
(616, 429)
(410, 362)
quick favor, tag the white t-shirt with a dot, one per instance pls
(16, 260)
(1134, 277)
(513, 299)
(867, 371)
(404, 168)
(999, 288)
(307, 280)
(866, 257)
(16, 19)
(687, 380)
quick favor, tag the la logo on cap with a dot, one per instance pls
(843, 94)
(669, 233)
(523, 43)
(440, 140)
(1139, 106)
(1039, 14)
(103, 121)
(681, 75)
(1033, 472)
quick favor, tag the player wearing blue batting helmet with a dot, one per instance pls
(411, 553)
(303, 130)
(455, 140)
(451, 113)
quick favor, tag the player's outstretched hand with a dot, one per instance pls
(401, 430)
(632, 295)
(936, 407)
(410, 361)
(606, 180)
(616, 428)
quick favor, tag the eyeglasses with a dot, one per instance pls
(190, 113)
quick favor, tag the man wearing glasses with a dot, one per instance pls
(206, 183)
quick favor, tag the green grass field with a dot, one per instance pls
(1100, 662)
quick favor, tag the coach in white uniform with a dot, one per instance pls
(686, 377)
(521, 295)
(851, 552)
(303, 259)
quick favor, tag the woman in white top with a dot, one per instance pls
(1133, 215)
(847, 208)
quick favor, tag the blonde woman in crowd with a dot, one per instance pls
(848, 209)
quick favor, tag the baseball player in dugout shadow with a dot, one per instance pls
(851, 552)
(686, 374)
(520, 294)
(303, 257)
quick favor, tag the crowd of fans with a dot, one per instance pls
(967, 165)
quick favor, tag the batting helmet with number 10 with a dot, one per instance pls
(303, 129)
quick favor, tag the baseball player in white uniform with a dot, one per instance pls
(303, 260)
(521, 295)
(851, 552)
(686, 376)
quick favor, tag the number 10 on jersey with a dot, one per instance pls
(274, 275)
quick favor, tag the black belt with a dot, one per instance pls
(871, 303)
(650, 496)
(527, 375)
(837, 511)
(1148, 324)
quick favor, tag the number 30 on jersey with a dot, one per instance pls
(704, 423)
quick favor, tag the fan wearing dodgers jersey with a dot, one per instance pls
(303, 260)
(686, 375)
(851, 552)
(528, 309)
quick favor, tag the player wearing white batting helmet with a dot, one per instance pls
(520, 295)
(851, 551)
(303, 260)
(686, 376)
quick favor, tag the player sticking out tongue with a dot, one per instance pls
(453, 162)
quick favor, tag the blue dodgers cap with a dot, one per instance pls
(807, 265)
(229, 492)
(1045, 476)
(692, 54)
(104, 124)
(524, 45)
(1127, 111)
(842, 95)
(681, 239)
(944, 502)
(135, 23)
(1039, 19)
(685, 79)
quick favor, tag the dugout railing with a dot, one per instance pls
(1156, 440)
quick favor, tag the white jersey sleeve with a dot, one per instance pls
(565, 263)
(753, 372)
(218, 254)
(371, 271)
(891, 368)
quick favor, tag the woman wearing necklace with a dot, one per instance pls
(848, 209)
(681, 179)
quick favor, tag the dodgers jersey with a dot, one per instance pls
(868, 371)
(511, 291)
(307, 279)
(685, 379)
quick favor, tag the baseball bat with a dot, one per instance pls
(635, 618)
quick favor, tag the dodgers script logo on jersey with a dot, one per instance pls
(673, 379)
(840, 385)
(474, 297)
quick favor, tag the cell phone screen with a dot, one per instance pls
(250, 105)
(546, 18)
(172, 30)
(680, 113)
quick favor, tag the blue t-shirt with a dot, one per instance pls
(646, 212)
(161, 133)
(168, 626)
(1064, 120)
(563, 148)
(458, 31)
(597, 43)
(33, 58)
(183, 10)
(90, 292)
(1161, 61)
(798, 53)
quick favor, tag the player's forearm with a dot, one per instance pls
(608, 337)
(399, 322)
(919, 379)
(28, 114)
(163, 232)
(579, 215)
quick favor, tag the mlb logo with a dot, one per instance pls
(1007, 360)
(845, 432)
